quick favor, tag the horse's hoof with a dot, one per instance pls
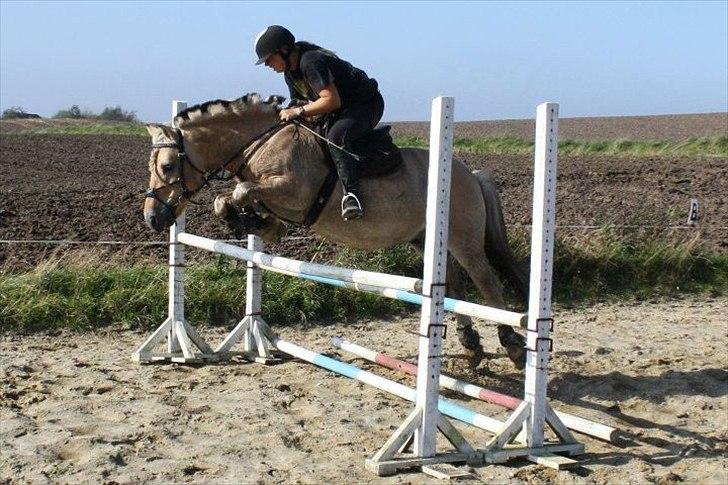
(475, 356)
(517, 354)
(509, 337)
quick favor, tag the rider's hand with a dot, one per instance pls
(290, 114)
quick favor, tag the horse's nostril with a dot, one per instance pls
(152, 221)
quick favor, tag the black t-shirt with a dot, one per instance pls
(319, 68)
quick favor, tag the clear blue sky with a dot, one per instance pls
(498, 59)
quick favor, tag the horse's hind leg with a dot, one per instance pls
(476, 264)
(468, 336)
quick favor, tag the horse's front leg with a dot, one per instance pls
(243, 219)
(248, 192)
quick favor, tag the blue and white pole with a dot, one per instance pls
(445, 406)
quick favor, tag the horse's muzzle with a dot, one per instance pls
(160, 219)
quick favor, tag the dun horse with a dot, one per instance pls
(280, 171)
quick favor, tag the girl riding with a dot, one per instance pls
(320, 83)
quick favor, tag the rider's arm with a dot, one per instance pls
(316, 71)
(328, 101)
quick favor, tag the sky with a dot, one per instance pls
(498, 59)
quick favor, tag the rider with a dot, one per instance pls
(321, 83)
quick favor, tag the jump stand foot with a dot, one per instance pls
(431, 466)
(184, 345)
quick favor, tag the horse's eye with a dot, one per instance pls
(167, 167)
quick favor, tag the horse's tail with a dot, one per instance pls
(497, 248)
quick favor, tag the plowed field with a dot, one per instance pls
(86, 187)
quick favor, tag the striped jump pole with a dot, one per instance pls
(575, 423)
(445, 406)
(263, 259)
(502, 317)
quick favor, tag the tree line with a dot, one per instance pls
(115, 113)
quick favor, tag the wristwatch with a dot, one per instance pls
(301, 111)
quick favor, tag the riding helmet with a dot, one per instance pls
(273, 40)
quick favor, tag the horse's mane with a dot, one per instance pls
(224, 109)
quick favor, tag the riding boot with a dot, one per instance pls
(346, 168)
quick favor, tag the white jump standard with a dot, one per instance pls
(414, 443)
(184, 345)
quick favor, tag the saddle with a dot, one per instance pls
(378, 155)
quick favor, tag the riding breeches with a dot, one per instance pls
(353, 121)
(349, 124)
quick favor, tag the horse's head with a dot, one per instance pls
(207, 140)
(173, 177)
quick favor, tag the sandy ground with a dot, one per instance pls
(75, 409)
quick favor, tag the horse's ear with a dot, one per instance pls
(160, 133)
(275, 99)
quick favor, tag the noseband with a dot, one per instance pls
(218, 174)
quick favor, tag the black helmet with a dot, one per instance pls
(272, 40)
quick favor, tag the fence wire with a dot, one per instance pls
(71, 242)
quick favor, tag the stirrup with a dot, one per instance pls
(348, 210)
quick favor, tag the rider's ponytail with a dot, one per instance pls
(304, 46)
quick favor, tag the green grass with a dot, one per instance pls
(706, 146)
(603, 267)
(119, 128)
(600, 267)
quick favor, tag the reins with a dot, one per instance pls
(217, 174)
(326, 140)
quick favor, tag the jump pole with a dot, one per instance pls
(447, 407)
(352, 279)
(575, 423)
(300, 267)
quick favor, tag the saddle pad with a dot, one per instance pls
(378, 154)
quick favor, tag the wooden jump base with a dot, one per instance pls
(574, 423)
(413, 445)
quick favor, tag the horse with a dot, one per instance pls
(280, 169)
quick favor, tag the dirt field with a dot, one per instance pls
(87, 187)
(642, 128)
(75, 409)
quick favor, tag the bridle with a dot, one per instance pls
(208, 176)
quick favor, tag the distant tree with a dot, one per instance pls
(17, 112)
(118, 114)
(74, 112)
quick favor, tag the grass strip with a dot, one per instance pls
(86, 296)
(704, 146)
(126, 129)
